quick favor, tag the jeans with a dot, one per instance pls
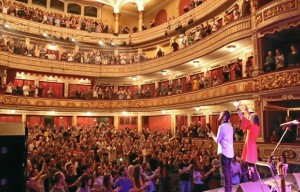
(226, 169)
(185, 186)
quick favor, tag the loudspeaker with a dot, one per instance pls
(253, 187)
(13, 157)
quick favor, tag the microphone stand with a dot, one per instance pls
(279, 141)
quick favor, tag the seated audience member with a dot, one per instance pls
(9, 88)
(215, 81)
(26, 90)
(269, 64)
(185, 9)
(279, 59)
(126, 30)
(294, 57)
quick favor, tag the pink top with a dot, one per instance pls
(250, 149)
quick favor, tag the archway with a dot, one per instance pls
(182, 4)
(161, 17)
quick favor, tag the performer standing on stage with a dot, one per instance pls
(252, 127)
(224, 139)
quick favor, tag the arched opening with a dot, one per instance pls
(74, 8)
(40, 2)
(90, 11)
(161, 17)
(182, 4)
(57, 4)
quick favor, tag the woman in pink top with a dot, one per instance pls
(252, 127)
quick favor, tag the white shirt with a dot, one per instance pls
(225, 140)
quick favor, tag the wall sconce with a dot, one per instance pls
(164, 72)
(197, 108)
(134, 78)
(231, 48)
(196, 63)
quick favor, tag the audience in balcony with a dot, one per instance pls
(237, 68)
(236, 12)
(249, 68)
(269, 64)
(294, 57)
(226, 73)
(175, 45)
(279, 59)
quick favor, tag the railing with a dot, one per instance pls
(199, 13)
(236, 30)
(232, 91)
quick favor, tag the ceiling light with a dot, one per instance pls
(134, 78)
(163, 112)
(101, 42)
(88, 113)
(124, 113)
(45, 34)
(52, 112)
(196, 63)
(52, 47)
(12, 111)
(6, 25)
(231, 48)
(236, 103)
(73, 39)
(197, 108)
(164, 72)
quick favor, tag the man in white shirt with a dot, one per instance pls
(224, 139)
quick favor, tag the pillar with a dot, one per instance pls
(66, 90)
(140, 123)
(189, 119)
(74, 120)
(66, 7)
(140, 20)
(257, 60)
(29, 2)
(27, 42)
(48, 4)
(24, 118)
(258, 108)
(116, 121)
(173, 124)
(82, 10)
(99, 13)
(253, 5)
(117, 22)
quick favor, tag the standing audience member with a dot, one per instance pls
(59, 183)
(294, 57)
(269, 64)
(184, 174)
(279, 59)
(124, 182)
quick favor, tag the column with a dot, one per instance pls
(140, 20)
(117, 22)
(82, 10)
(116, 121)
(140, 123)
(257, 60)
(206, 118)
(173, 124)
(66, 7)
(258, 108)
(66, 90)
(99, 13)
(189, 119)
(48, 4)
(29, 2)
(24, 118)
(74, 120)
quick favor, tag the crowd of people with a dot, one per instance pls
(95, 56)
(99, 157)
(279, 60)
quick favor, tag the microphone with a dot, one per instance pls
(294, 122)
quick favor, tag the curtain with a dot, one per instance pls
(181, 120)
(161, 17)
(234, 119)
(213, 120)
(30, 83)
(217, 72)
(201, 119)
(58, 88)
(132, 88)
(65, 121)
(33, 120)
(10, 75)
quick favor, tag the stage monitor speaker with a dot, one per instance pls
(13, 157)
(253, 187)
